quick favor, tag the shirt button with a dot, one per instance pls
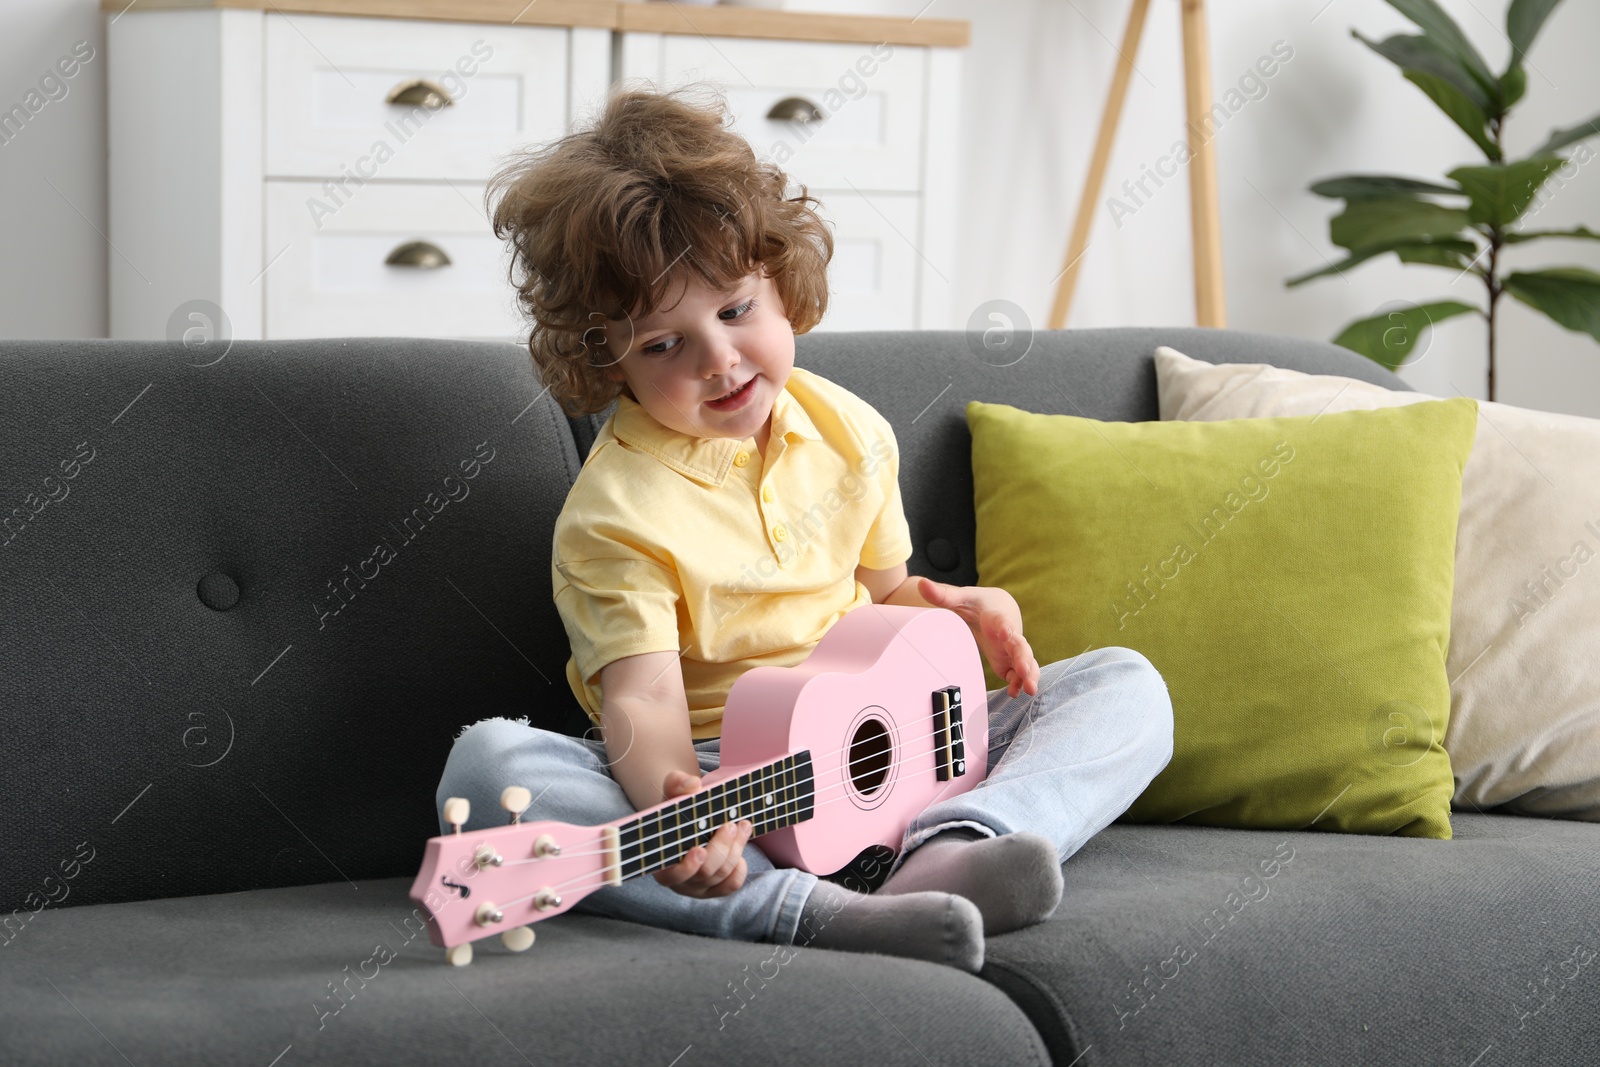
(741, 459)
(766, 493)
(779, 533)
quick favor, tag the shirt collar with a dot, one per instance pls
(705, 459)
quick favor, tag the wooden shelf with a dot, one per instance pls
(707, 21)
(721, 21)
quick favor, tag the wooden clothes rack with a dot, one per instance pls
(1204, 212)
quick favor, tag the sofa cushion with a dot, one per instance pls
(1524, 726)
(1177, 944)
(1289, 578)
(273, 593)
(251, 977)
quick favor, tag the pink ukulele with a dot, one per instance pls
(825, 759)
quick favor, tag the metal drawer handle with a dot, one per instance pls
(423, 91)
(795, 109)
(423, 255)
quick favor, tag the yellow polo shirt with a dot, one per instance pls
(702, 546)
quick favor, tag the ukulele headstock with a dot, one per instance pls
(501, 879)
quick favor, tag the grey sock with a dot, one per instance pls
(937, 927)
(1014, 879)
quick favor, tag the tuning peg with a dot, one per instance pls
(545, 847)
(518, 938)
(459, 955)
(456, 810)
(489, 913)
(515, 799)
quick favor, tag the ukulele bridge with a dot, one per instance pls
(949, 740)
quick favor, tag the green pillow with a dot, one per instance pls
(1290, 578)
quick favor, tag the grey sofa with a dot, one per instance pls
(223, 727)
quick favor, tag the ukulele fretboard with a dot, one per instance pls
(774, 796)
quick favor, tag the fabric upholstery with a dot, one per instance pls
(1174, 945)
(1290, 579)
(299, 972)
(1524, 729)
(191, 579)
(266, 606)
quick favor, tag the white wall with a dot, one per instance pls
(1036, 77)
(1034, 83)
(53, 175)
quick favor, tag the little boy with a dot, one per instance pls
(729, 513)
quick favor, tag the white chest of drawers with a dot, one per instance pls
(875, 142)
(303, 172)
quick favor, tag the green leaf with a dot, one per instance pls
(1337, 268)
(1534, 235)
(1365, 186)
(1390, 338)
(1523, 21)
(1502, 191)
(1424, 54)
(1457, 255)
(1571, 135)
(1569, 295)
(1365, 223)
(1433, 21)
(1472, 119)
(1409, 251)
(1513, 84)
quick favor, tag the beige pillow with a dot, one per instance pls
(1524, 655)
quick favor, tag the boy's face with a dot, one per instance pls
(702, 344)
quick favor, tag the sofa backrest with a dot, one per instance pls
(250, 600)
(921, 382)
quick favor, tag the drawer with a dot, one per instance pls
(872, 278)
(328, 80)
(328, 277)
(869, 97)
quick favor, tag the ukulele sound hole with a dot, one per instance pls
(869, 756)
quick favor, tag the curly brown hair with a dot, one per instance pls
(658, 183)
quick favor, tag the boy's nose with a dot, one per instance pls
(720, 357)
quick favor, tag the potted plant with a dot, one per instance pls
(1464, 224)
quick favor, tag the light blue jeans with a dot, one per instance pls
(1063, 763)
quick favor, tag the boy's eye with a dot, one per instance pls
(733, 314)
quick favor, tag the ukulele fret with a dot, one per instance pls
(774, 815)
(745, 797)
(805, 792)
(645, 843)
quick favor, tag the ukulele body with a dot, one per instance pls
(863, 704)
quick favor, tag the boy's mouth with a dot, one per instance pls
(733, 397)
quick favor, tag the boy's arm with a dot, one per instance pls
(991, 613)
(644, 717)
(885, 586)
(644, 720)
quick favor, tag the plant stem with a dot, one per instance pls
(1494, 296)
(1496, 128)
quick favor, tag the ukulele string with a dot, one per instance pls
(605, 878)
(769, 774)
(817, 795)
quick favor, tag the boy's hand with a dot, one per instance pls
(996, 623)
(714, 869)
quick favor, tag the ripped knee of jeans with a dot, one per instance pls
(523, 721)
